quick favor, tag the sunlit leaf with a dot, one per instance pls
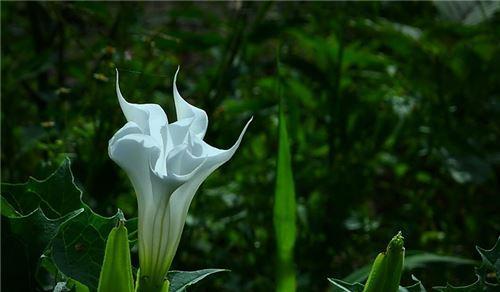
(116, 272)
(180, 280)
(284, 211)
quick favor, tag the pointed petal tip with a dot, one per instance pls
(237, 144)
(176, 73)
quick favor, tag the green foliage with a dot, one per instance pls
(78, 249)
(342, 286)
(387, 268)
(180, 280)
(339, 285)
(392, 110)
(490, 261)
(27, 238)
(56, 195)
(482, 283)
(284, 210)
(73, 242)
(116, 271)
(488, 273)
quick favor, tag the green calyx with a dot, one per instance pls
(144, 284)
(387, 268)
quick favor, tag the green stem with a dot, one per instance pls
(146, 284)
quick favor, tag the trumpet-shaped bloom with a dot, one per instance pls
(166, 163)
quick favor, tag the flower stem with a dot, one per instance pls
(146, 284)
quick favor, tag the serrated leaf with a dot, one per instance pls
(342, 286)
(78, 248)
(417, 287)
(490, 262)
(56, 195)
(179, 280)
(477, 286)
(116, 272)
(26, 238)
(490, 259)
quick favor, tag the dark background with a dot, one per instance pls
(393, 113)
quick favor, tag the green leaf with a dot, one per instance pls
(419, 259)
(284, 210)
(179, 280)
(341, 286)
(474, 287)
(417, 287)
(491, 260)
(56, 195)
(70, 285)
(7, 209)
(26, 238)
(78, 248)
(116, 272)
(75, 244)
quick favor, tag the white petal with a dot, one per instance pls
(182, 163)
(127, 129)
(217, 154)
(184, 110)
(150, 117)
(179, 131)
(182, 197)
(135, 153)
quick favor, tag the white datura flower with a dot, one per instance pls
(166, 163)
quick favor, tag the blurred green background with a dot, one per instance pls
(393, 113)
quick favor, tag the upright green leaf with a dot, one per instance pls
(116, 272)
(387, 267)
(284, 211)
